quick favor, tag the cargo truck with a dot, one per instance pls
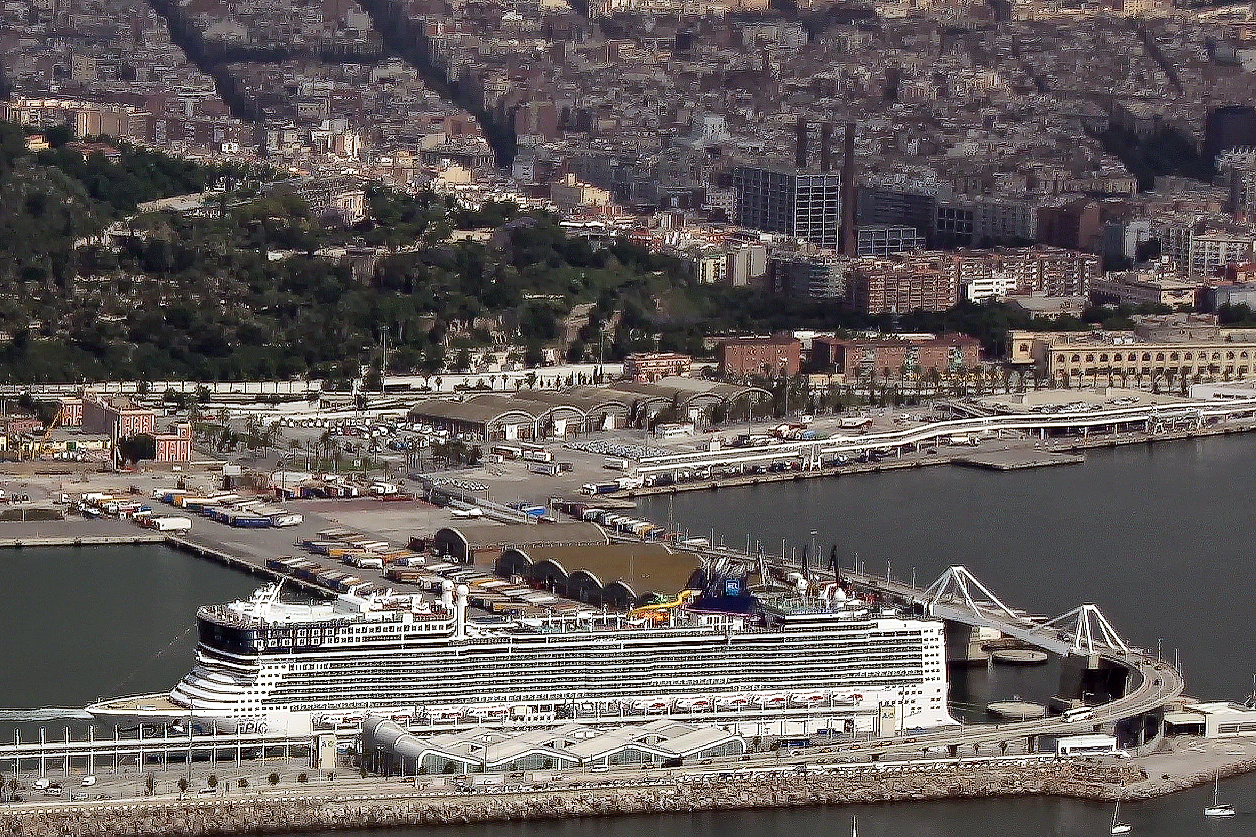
(171, 524)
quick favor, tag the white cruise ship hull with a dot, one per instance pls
(286, 669)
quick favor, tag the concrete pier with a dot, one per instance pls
(327, 807)
(1017, 459)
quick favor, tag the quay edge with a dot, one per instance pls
(391, 807)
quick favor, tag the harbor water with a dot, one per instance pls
(1158, 537)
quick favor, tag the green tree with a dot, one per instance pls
(273, 779)
(150, 783)
(137, 447)
(183, 785)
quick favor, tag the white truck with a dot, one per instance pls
(172, 523)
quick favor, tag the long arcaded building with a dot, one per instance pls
(543, 414)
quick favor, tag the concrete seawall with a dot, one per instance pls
(320, 811)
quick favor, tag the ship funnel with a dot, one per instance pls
(460, 611)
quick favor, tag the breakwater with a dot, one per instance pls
(362, 808)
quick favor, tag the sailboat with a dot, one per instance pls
(1119, 827)
(1218, 809)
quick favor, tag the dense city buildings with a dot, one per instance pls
(762, 151)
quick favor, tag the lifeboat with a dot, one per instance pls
(693, 704)
(848, 700)
(486, 713)
(732, 702)
(651, 706)
(771, 701)
(808, 698)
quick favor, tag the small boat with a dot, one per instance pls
(1218, 809)
(808, 698)
(1119, 827)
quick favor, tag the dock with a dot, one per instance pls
(1018, 459)
(82, 540)
(251, 566)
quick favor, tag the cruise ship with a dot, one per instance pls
(796, 661)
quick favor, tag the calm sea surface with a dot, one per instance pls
(1163, 539)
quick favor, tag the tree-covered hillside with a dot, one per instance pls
(253, 285)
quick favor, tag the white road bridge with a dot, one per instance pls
(1183, 415)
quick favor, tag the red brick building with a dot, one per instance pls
(116, 416)
(650, 366)
(771, 356)
(946, 353)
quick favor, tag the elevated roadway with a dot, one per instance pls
(816, 453)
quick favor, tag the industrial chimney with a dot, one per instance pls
(850, 246)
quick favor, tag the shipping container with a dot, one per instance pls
(287, 519)
(244, 521)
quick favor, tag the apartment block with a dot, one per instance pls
(768, 356)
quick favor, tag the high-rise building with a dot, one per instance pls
(880, 205)
(793, 203)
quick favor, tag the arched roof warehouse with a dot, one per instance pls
(486, 540)
(483, 415)
(685, 391)
(622, 574)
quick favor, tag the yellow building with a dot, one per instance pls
(1081, 356)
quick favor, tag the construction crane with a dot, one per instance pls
(42, 448)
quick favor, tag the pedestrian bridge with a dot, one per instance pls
(1083, 636)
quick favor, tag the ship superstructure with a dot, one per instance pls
(788, 662)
